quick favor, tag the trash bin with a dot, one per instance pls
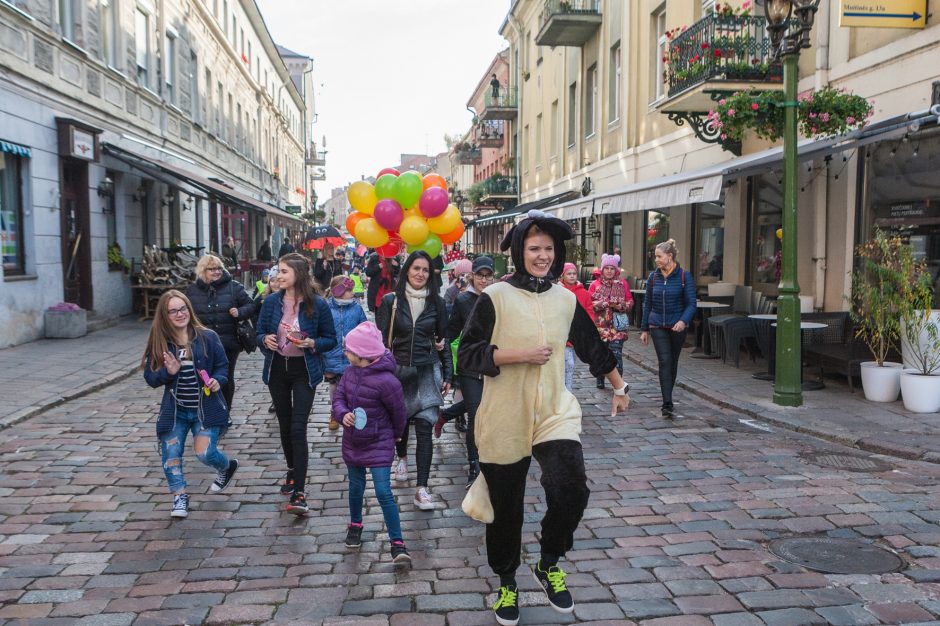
(500, 264)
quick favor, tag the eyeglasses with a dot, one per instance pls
(179, 311)
(487, 276)
(214, 269)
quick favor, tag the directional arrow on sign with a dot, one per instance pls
(913, 16)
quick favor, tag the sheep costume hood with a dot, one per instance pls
(557, 229)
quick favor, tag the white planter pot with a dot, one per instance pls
(906, 351)
(881, 384)
(921, 393)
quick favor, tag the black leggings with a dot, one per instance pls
(228, 391)
(668, 344)
(424, 449)
(472, 389)
(290, 389)
(566, 495)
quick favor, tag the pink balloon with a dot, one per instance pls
(388, 214)
(433, 201)
(388, 170)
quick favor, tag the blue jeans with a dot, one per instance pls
(382, 481)
(173, 443)
(668, 345)
(569, 367)
(617, 348)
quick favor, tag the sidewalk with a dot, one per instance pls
(47, 372)
(832, 413)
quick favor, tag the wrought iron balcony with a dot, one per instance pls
(317, 158)
(470, 156)
(491, 134)
(500, 187)
(569, 22)
(502, 105)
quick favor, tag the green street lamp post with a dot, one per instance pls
(787, 38)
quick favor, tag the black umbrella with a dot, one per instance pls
(319, 236)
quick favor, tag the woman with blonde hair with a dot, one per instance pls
(220, 302)
(189, 361)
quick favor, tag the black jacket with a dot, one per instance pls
(211, 303)
(413, 343)
(324, 275)
(286, 248)
(374, 272)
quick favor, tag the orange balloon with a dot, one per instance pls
(453, 235)
(352, 220)
(434, 180)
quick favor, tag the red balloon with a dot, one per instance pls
(388, 170)
(352, 220)
(392, 248)
(453, 235)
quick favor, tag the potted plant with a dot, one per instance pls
(876, 305)
(116, 260)
(920, 339)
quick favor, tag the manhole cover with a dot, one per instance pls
(836, 556)
(850, 462)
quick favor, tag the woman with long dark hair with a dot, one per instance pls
(413, 321)
(295, 327)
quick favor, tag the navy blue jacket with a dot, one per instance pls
(319, 328)
(668, 300)
(209, 355)
(345, 318)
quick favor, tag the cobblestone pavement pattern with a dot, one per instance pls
(675, 533)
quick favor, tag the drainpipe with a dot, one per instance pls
(820, 193)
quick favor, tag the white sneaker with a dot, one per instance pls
(401, 470)
(423, 499)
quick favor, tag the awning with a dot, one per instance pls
(219, 191)
(507, 215)
(704, 185)
(15, 149)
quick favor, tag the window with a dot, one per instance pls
(657, 231)
(614, 85)
(169, 66)
(230, 121)
(239, 131)
(68, 13)
(590, 101)
(766, 218)
(662, 49)
(234, 31)
(142, 43)
(194, 98)
(553, 139)
(538, 139)
(109, 207)
(707, 7)
(219, 103)
(224, 17)
(108, 13)
(525, 149)
(572, 114)
(710, 242)
(11, 214)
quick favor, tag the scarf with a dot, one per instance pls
(417, 298)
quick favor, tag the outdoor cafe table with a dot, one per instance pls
(809, 385)
(702, 336)
(758, 320)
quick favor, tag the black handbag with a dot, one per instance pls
(244, 331)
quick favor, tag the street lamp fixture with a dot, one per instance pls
(788, 38)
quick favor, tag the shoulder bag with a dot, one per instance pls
(244, 331)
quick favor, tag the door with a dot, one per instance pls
(76, 240)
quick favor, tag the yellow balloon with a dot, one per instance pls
(445, 222)
(370, 234)
(413, 230)
(413, 212)
(779, 233)
(362, 197)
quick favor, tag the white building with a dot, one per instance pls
(136, 123)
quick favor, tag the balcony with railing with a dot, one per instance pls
(500, 187)
(500, 104)
(569, 22)
(317, 158)
(469, 155)
(490, 134)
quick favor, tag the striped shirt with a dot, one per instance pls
(187, 385)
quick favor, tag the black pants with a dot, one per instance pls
(424, 449)
(566, 494)
(668, 345)
(293, 398)
(472, 389)
(228, 391)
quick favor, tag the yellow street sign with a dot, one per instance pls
(883, 13)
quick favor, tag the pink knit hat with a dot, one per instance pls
(610, 260)
(463, 266)
(365, 340)
(569, 266)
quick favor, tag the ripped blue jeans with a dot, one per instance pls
(173, 443)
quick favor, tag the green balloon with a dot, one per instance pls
(385, 186)
(408, 189)
(432, 245)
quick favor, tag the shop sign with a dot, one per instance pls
(883, 13)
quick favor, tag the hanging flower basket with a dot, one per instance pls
(824, 113)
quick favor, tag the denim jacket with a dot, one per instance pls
(209, 355)
(319, 328)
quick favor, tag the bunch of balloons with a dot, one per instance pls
(403, 209)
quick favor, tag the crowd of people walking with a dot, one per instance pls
(506, 348)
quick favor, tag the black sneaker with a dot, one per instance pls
(553, 582)
(399, 552)
(271, 408)
(298, 504)
(225, 477)
(462, 423)
(354, 536)
(288, 487)
(472, 473)
(180, 505)
(600, 383)
(507, 606)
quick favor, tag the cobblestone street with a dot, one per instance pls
(676, 531)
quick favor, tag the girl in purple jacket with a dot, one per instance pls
(370, 404)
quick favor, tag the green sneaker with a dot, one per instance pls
(507, 606)
(552, 581)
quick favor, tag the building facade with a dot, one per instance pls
(132, 123)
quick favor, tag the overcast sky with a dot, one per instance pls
(392, 77)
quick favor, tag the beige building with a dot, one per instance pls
(136, 122)
(605, 107)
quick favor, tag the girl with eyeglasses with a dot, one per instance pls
(188, 360)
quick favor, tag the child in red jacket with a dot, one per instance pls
(569, 280)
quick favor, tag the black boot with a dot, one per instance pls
(600, 382)
(473, 472)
